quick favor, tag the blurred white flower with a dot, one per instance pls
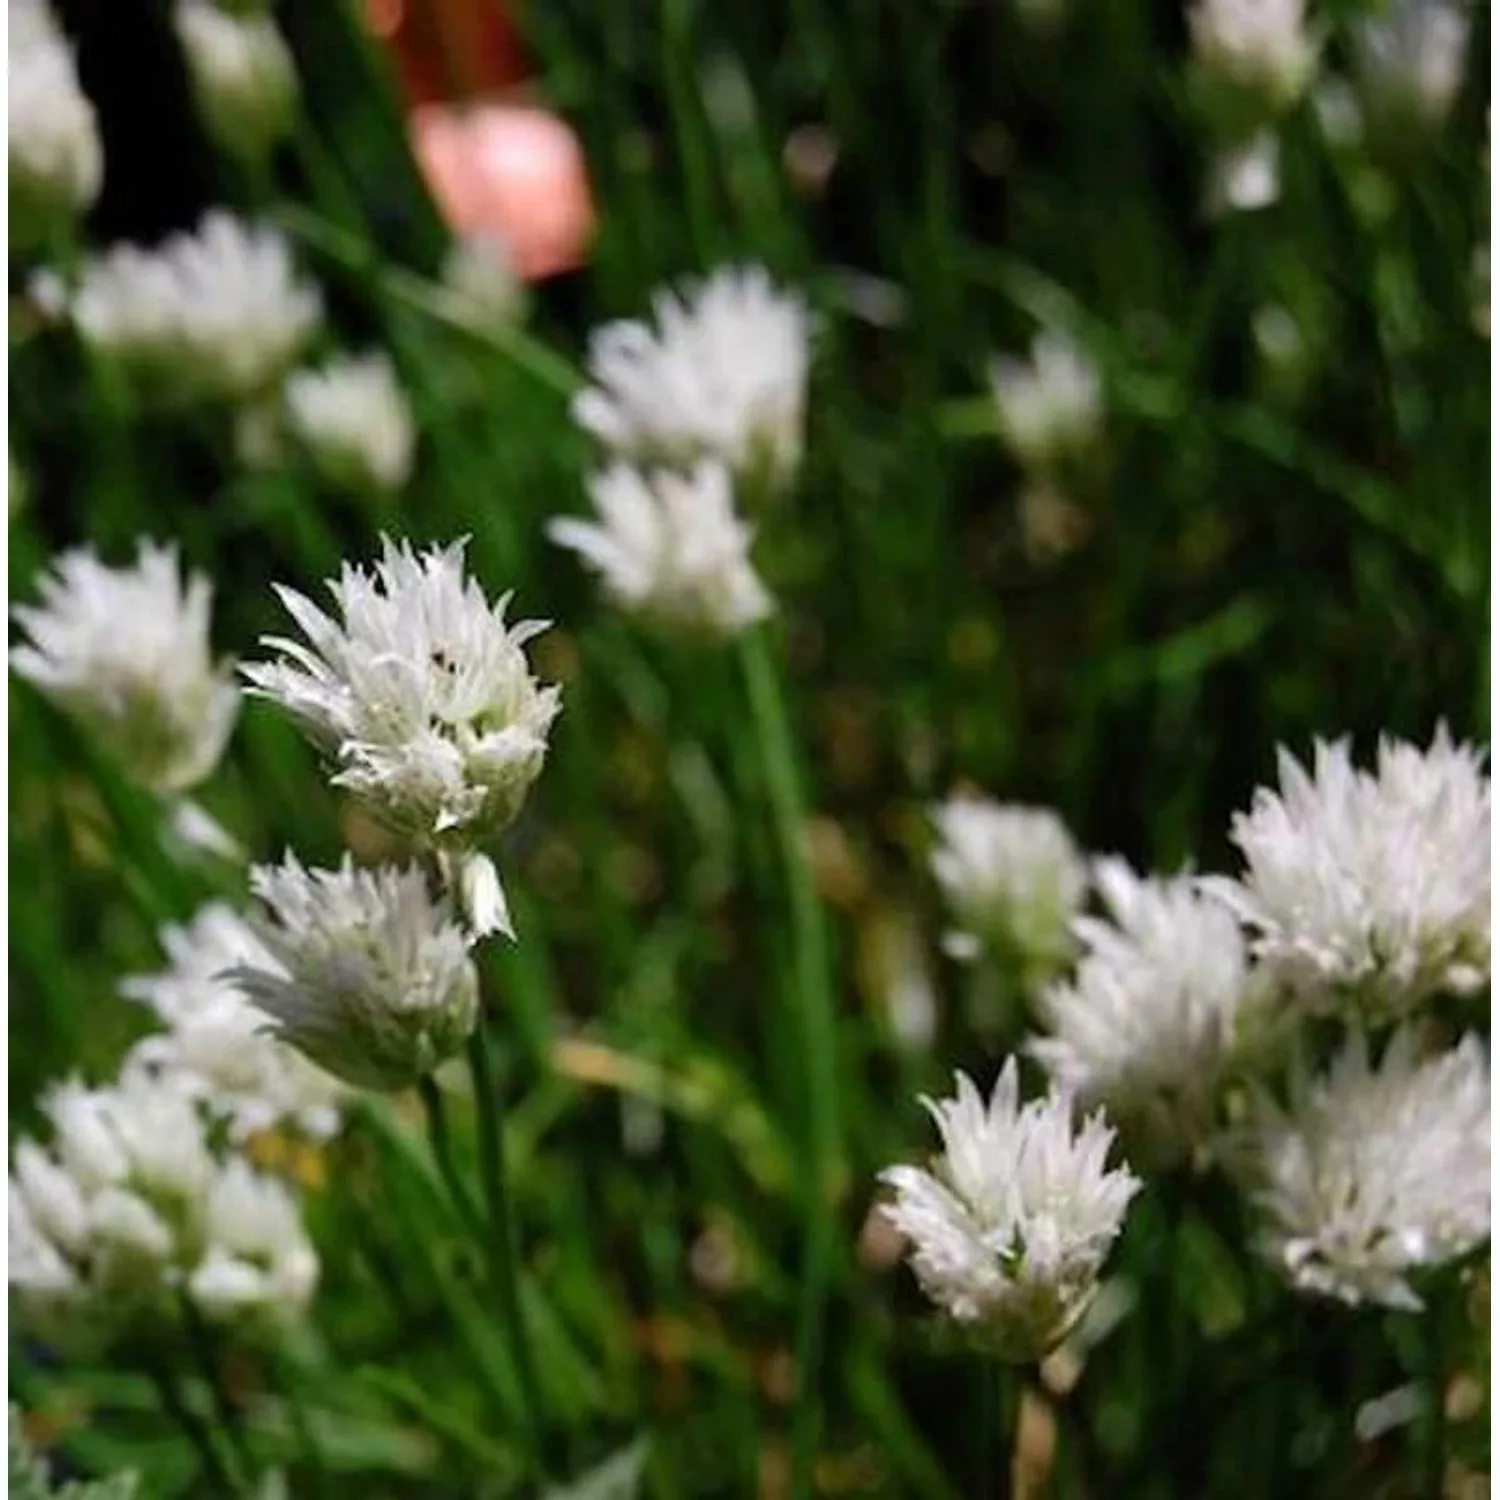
(420, 694)
(1246, 176)
(1147, 1025)
(353, 421)
(1011, 1227)
(1013, 881)
(1259, 50)
(671, 549)
(722, 375)
(1366, 890)
(480, 281)
(257, 1260)
(129, 1207)
(371, 975)
(125, 652)
(243, 79)
(218, 314)
(1050, 408)
(1408, 61)
(215, 1047)
(1372, 1174)
(56, 162)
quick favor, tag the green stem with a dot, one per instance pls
(813, 1003)
(197, 1431)
(442, 1150)
(202, 1342)
(500, 1242)
(1431, 1457)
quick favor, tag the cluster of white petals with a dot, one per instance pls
(1372, 1174)
(481, 285)
(131, 1208)
(1050, 407)
(1011, 1227)
(56, 162)
(243, 79)
(722, 375)
(419, 693)
(1261, 49)
(1147, 1025)
(1013, 881)
(1409, 61)
(219, 313)
(353, 421)
(125, 652)
(371, 977)
(214, 1046)
(1369, 890)
(671, 549)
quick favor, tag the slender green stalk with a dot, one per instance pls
(1431, 1457)
(202, 1343)
(813, 1003)
(500, 1242)
(442, 1150)
(197, 1432)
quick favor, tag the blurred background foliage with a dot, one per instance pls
(1290, 537)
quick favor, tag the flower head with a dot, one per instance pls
(1147, 1025)
(1369, 890)
(723, 375)
(242, 74)
(1050, 408)
(1013, 880)
(125, 652)
(214, 1047)
(353, 421)
(118, 1216)
(671, 549)
(1010, 1228)
(1409, 63)
(420, 694)
(371, 976)
(218, 314)
(1259, 52)
(481, 282)
(56, 163)
(1373, 1173)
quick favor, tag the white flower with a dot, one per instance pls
(1371, 890)
(372, 976)
(1246, 176)
(1013, 880)
(1147, 1025)
(56, 164)
(1052, 407)
(420, 693)
(1409, 61)
(218, 314)
(671, 549)
(480, 281)
(243, 78)
(258, 1259)
(723, 375)
(125, 652)
(1011, 1227)
(1373, 1174)
(130, 1208)
(353, 421)
(1259, 49)
(215, 1047)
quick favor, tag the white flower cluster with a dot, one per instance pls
(1375, 1173)
(722, 375)
(481, 285)
(1408, 62)
(369, 975)
(671, 549)
(1148, 1024)
(218, 314)
(353, 421)
(1010, 1228)
(1013, 881)
(1050, 409)
(419, 694)
(125, 652)
(1369, 892)
(243, 79)
(131, 1209)
(215, 1048)
(56, 161)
